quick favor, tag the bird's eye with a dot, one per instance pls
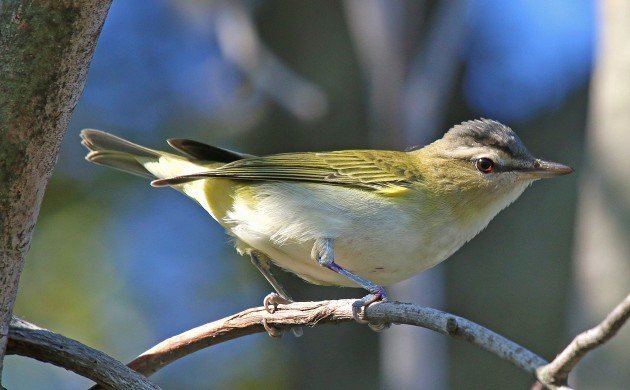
(484, 165)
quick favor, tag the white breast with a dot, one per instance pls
(373, 236)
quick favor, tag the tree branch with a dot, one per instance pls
(45, 50)
(557, 372)
(315, 313)
(30, 340)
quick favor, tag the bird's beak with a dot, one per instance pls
(541, 169)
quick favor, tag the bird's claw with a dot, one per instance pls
(358, 310)
(379, 327)
(272, 300)
(271, 330)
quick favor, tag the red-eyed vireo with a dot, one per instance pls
(347, 218)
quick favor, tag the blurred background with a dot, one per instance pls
(120, 266)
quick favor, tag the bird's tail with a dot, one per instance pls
(111, 151)
(195, 158)
(115, 152)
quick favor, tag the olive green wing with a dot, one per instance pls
(374, 170)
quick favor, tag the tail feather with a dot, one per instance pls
(120, 161)
(109, 150)
(205, 152)
(112, 151)
(97, 140)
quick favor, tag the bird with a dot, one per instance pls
(349, 218)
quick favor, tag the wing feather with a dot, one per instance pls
(373, 170)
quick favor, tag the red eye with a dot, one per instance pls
(484, 165)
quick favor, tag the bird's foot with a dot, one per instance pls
(272, 300)
(272, 330)
(359, 306)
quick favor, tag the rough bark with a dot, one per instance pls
(30, 340)
(45, 50)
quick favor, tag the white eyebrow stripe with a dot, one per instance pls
(467, 152)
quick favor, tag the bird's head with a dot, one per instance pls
(483, 162)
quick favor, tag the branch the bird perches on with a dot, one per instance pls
(26, 339)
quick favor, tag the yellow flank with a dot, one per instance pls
(393, 191)
(215, 195)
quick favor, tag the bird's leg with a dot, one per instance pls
(263, 263)
(324, 254)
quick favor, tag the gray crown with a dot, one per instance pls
(490, 133)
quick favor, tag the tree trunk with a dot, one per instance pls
(45, 50)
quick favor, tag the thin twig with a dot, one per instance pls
(30, 340)
(314, 313)
(557, 372)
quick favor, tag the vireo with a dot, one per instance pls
(363, 218)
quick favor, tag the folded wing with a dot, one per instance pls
(366, 169)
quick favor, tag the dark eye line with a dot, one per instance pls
(497, 167)
(504, 168)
